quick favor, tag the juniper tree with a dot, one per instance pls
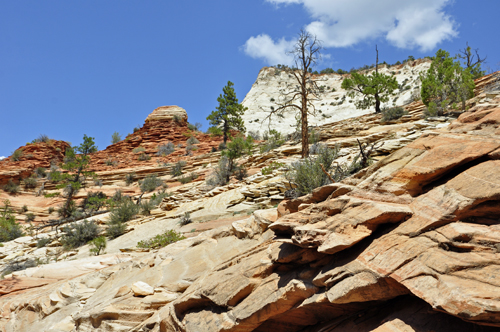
(228, 114)
(472, 62)
(445, 83)
(375, 88)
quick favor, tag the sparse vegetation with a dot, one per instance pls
(79, 233)
(29, 217)
(124, 211)
(188, 178)
(255, 135)
(94, 201)
(393, 113)
(51, 195)
(166, 149)
(41, 172)
(192, 140)
(42, 242)
(30, 182)
(9, 228)
(273, 140)
(177, 168)
(129, 178)
(150, 183)
(97, 245)
(138, 149)
(146, 206)
(161, 240)
(143, 157)
(220, 174)
(11, 187)
(185, 219)
(16, 155)
(273, 166)
(41, 138)
(116, 137)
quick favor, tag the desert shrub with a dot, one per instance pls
(110, 162)
(177, 168)
(146, 206)
(66, 210)
(191, 126)
(314, 136)
(51, 195)
(117, 197)
(16, 155)
(119, 215)
(78, 234)
(24, 209)
(157, 199)
(254, 134)
(214, 149)
(9, 228)
(150, 183)
(138, 149)
(240, 172)
(41, 138)
(161, 240)
(273, 166)
(136, 129)
(185, 219)
(51, 209)
(54, 175)
(94, 201)
(29, 217)
(30, 182)
(42, 242)
(188, 178)
(166, 149)
(97, 182)
(41, 172)
(11, 187)
(115, 138)
(393, 113)
(307, 173)
(129, 178)
(177, 118)
(192, 140)
(220, 173)
(273, 139)
(97, 245)
(222, 146)
(143, 157)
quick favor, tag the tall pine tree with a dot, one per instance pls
(228, 114)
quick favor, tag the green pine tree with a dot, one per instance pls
(75, 163)
(375, 88)
(228, 114)
(445, 83)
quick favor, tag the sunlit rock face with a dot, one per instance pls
(167, 113)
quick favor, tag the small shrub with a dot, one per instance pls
(240, 172)
(119, 215)
(24, 209)
(51, 210)
(42, 242)
(214, 149)
(41, 138)
(115, 138)
(11, 187)
(136, 129)
(146, 206)
(255, 135)
(94, 201)
(185, 219)
(51, 195)
(188, 178)
(220, 173)
(192, 140)
(222, 146)
(166, 149)
(54, 176)
(177, 168)
(9, 228)
(138, 149)
(117, 196)
(29, 217)
(157, 199)
(273, 166)
(393, 113)
(110, 162)
(16, 155)
(97, 245)
(150, 183)
(143, 157)
(78, 234)
(177, 118)
(41, 172)
(274, 140)
(97, 182)
(129, 178)
(191, 127)
(161, 240)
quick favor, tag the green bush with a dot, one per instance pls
(222, 146)
(51, 209)
(41, 138)
(30, 182)
(161, 240)
(9, 228)
(143, 157)
(115, 138)
(220, 173)
(157, 199)
(185, 219)
(273, 139)
(192, 140)
(94, 201)
(24, 209)
(78, 234)
(16, 155)
(41, 172)
(146, 206)
(307, 173)
(29, 217)
(42, 242)
(393, 113)
(166, 149)
(136, 129)
(97, 245)
(177, 118)
(273, 166)
(129, 178)
(119, 215)
(188, 178)
(110, 162)
(51, 195)
(255, 135)
(150, 183)
(177, 168)
(11, 187)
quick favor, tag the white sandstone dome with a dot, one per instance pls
(167, 113)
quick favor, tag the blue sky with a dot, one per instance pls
(69, 68)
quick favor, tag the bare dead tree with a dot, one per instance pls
(299, 96)
(468, 57)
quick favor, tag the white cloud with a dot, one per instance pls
(2, 158)
(412, 24)
(265, 48)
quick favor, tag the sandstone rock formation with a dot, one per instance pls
(168, 113)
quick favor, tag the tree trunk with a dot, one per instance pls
(225, 130)
(305, 134)
(377, 103)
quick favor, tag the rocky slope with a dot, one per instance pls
(409, 244)
(332, 105)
